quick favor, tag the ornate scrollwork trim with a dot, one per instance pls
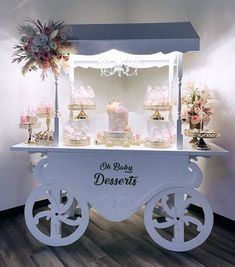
(39, 169)
(197, 174)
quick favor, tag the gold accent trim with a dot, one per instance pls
(157, 144)
(79, 107)
(81, 142)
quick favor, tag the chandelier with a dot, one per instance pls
(121, 66)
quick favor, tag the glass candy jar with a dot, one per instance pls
(160, 134)
(77, 132)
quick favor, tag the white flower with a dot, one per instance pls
(40, 39)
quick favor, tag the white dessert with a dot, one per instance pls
(84, 96)
(117, 117)
(77, 132)
(157, 96)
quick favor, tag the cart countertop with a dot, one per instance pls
(215, 149)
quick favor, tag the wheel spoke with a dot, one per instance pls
(42, 214)
(64, 219)
(65, 207)
(163, 225)
(55, 229)
(178, 232)
(195, 221)
(169, 211)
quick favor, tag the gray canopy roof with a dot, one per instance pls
(135, 38)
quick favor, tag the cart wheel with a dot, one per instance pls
(62, 220)
(171, 225)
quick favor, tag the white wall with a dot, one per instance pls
(214, 64)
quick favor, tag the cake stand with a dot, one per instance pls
(81, 108)
(46, 137)
(157, 108)
(30, 127)
(124, 138)
(48, 117)
(200, 135)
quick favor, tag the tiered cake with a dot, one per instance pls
(117, 117)
(118, 133)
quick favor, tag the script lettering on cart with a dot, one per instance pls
(116, 174)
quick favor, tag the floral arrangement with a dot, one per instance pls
(43, 46)
(197, 104)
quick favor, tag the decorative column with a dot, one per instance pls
(179, 142)
(56, 134)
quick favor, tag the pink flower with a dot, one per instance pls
(195, 119)
(44, 55)
(197, 110)
(47, 30)
(202, 102)
(46, 65)
(208, 111)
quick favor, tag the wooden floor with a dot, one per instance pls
(109, 244)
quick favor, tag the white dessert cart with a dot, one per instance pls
(117, 181)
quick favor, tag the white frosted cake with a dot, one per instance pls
(84, 96)
(117, 117)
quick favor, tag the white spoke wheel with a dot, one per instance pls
(170, 223)
(62, 220)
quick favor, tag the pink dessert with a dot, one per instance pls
(117, 117)
(83, 96)
(45, 108)
(28, 117)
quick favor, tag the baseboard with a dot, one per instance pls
(220, 220)
(20, 209)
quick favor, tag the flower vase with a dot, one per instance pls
(193, 126)
(197, 126)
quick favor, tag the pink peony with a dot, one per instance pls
(195, 119)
